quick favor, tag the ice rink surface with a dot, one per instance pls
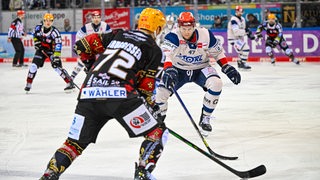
(271, 118)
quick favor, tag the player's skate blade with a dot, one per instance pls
(70, 88)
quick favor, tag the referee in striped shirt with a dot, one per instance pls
(16, 31)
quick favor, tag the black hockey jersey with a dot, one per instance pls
(50, 39)
(272, 31)
(126, 69)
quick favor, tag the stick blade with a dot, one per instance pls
(258, 171)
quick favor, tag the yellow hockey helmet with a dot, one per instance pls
(48, 16)
(271, 17)
(150, 19)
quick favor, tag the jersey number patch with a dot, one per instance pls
(123, 59)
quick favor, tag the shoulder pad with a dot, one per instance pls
(212, 40)
(173, 38)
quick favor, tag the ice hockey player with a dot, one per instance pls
(119, 86)
(187, 51)
(236, 33)
(48, 44)
(275, 38)
(96, 26)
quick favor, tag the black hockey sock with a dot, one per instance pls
(150, 152)
(64, 156)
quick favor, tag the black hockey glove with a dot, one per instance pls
(232, 73)
(56, 62)
(270, 43)
(275, 42)
(170, 77)
(37, 45)
(251, 35)
(259, 35)
(88, 64)
(156, 112)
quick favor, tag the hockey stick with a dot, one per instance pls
(65, 72)
(196, 127)
(258, 171)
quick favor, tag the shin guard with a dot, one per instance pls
(64, 156)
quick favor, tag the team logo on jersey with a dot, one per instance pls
(104, 75)
(137, 122)
(189, 59)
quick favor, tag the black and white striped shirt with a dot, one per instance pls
(16, 29)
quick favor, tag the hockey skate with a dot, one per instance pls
(273, 61)
(19, 66)
(243, 65)
(28, 87)
(142, 174)
(50, 175)
(296, 61)
(204, 124)
(69, 88)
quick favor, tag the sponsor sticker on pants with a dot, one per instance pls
(140, 120)
(76, 127)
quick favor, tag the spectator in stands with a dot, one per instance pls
(252, 21)
(67, 27)
(36, 4)
(219, 23)
(5, 4)
(16, 4)
(311, 22)
(216, 2)
(266, 14)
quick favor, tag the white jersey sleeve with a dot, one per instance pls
(216, 50)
